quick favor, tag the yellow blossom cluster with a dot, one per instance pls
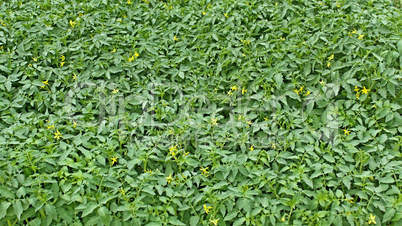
(113, 160)
(207, 209)
(245, 41)
(301, 90)
(214, 122)
(173, 150)
(45, 83)
(169, 178)
(62, 60)
(57, 135)
(204, 171)
(363, 91)
(329, 60)
(133, 57)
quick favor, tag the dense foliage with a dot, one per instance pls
(198, 112)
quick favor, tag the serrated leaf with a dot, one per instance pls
(175, 221)
(89, 209)
(18, 209)
(3, 209)
(230, 216)
(194, 220)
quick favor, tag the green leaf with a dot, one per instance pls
(3, 209)
(194, 220)
(230, 216)
(388, 215)
(6, 193)
(239, 221)
(175, 221)
(278, 80)
(18, 209)
(7, 84)
(104, 215)
(309, 182)
(5, 69)
(88, 210)
(51, 211)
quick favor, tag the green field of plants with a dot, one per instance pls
(199, 112)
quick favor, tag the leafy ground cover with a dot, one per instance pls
(198, 112)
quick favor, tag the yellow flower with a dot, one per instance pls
(329, 64)
(58, 135)
(230, 93)
(203, 13)
(50, 127)
(357, 96)
(374, 106)
(169, 178)
(276, 4)
(339, 6)
(131, 59)
(62, 58)
(350, 200)
(356, 89)
(34, 59)
(243, 91)
(354, 31)
(207, 208)
(249, 122)
(75, 77)
(364, 90)
(331, 57)
(214, 122)
(72, 23)
(129, 2)
(252, 148)
(115, 91)
(136, 54)
(62, 63)
(297, 91)
(234, 88)
(114, 160)
(75, 124)
(372, 219)
(322, 82)
(114, 50)
(175, 38)
(173, 148)
(239, 117)
(361, 37)
(204, 171)
(45, 82)
(346, 131)
(215, 222)
(226, 15)
(123, 192)
(265, 118)
(308, 93)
